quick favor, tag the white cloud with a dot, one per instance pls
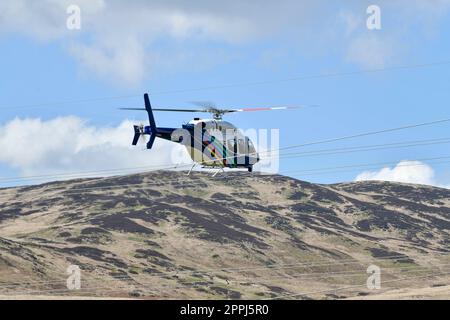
(405, 171)
(404, 26)
(69, 144)
(370, 51)
(125, 61)
(43, 20)
(351, 21)
(127, 41)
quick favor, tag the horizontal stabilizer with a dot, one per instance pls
(137, 135)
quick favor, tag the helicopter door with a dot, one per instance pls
(246, 150)
(252, 156)
(235, 152)
(232, 154)
(242, 158)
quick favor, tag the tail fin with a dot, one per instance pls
(152, 129)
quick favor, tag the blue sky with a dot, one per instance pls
(124, 50)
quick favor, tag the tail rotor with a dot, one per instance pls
(139, 134)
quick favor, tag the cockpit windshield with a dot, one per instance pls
(224, 125)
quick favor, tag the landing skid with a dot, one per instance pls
(218, 170)
(192, 168)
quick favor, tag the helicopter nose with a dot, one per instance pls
(254, 159)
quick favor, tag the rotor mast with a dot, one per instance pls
(217, 114)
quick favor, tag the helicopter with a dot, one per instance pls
(209, 142)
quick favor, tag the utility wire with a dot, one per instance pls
(356, 286)
(365, 134)
(307, 275)
(195, 284)
(375, 147)
(375, 164)
(236, 85)
(193, 182)
(294, 146)
(353, 169)
(323, 152)
(277, 266)
(147, 185)
(314, 276)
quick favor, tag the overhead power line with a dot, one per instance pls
(364, 134)
(140, 283)
(406, 279)
(410, 163)
(322, 152)
(239, 269)
(234, 85)
(375, 147)
(150, 185)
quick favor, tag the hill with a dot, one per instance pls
(242, 236)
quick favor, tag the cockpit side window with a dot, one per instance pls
(230, 145)
(241, 146)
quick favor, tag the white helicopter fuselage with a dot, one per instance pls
(218, 143)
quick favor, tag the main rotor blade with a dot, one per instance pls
(253, 109)
(204, 104)
(262, 109)
(223, 111)
(167, 109)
